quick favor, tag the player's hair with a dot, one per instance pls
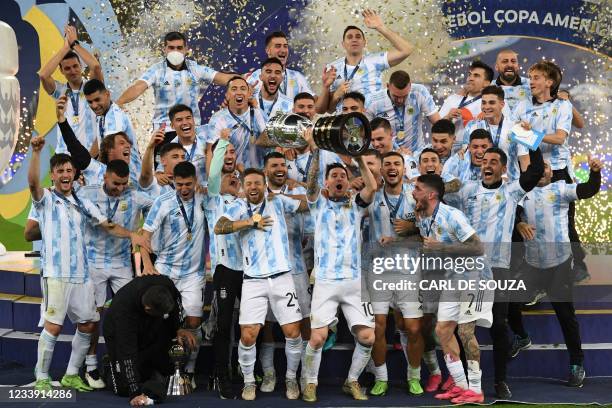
(271, 60)
(272, 155)
(377, 123)
(494, 90)
(177, 109)
(173, 36)
(373, 152)
(93, 85)
(303, 95)
(168, 147)
(434, 182)
(332, 166)
(108, 143)
(481, 134)
(184, 169)
(551, 71)
(352, 27)
(399, 79)
(159, 299)
(118, 167)
(273, 35)
(502, 155)
(428, 150)
(507, 51)
(392, 153)
(234, 78)
(253, 170)
(443, 126)
(59, 159)
(358, 96)
(487, 69)
(70, 55)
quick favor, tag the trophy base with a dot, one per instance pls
(179, 384)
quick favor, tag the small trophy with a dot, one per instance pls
(347, 134)
(179, 383)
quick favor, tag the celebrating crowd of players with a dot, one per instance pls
(275, 220)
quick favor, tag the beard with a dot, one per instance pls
(509, 77)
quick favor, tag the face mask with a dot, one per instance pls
(175, 58)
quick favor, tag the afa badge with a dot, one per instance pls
(123, 205)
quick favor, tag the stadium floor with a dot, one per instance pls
(529, 390)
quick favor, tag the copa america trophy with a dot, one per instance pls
(179, 383)
(348, 134)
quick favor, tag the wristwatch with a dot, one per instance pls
(256, 219)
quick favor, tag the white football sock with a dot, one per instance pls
(361, 355)
(293, 352)
(80, 345)
(474, 375)
(46, 344)
(246, 359)
(455, 368)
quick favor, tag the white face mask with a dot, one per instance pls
(175, 58)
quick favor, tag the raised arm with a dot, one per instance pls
(95, 68)
(33, 172)
(530, 177)
(216, 165)
(47, 70)
(323, 99)
(133, 92)
(312, 179)
(401, 48)
(146, 171)
(80, 155)
(366, 193)
(593, 184)
(221, 78)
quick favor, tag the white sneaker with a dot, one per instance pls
(248, 392)
(293, 391)
(94, 380)
(269, 382)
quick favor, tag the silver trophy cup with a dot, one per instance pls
(179, 383)
(348, 134)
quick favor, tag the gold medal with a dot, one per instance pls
(257, 217)
(400, 135)
(75, 120)
(189, 236)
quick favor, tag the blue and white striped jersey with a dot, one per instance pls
(264, 253)
(491, 212)
(546, 208)
(337, 244)
(381, 209)
(501, 139)
(449, 225)
(298, 169)
(246, 152)
(294, 82)
(94, 174)
(172, 87)
(224, 249)
(296, 228)
(366, 77)
(462, 169)
(82, 120)
(455, 101)
(269, 108)
(114, 121)
(177, 255)
(105, 250)
(62, 226)
(409, 131)
(513, 94)
(549, 117)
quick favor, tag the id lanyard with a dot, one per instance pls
(394, 209)
(188, 221)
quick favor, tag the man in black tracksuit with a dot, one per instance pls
(143, 319)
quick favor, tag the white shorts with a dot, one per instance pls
(277, 293)
(192, 294)
(63, 298)
(328, 295)
(118, 277)
(466, 307)
(303, 290)
(409, 310)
